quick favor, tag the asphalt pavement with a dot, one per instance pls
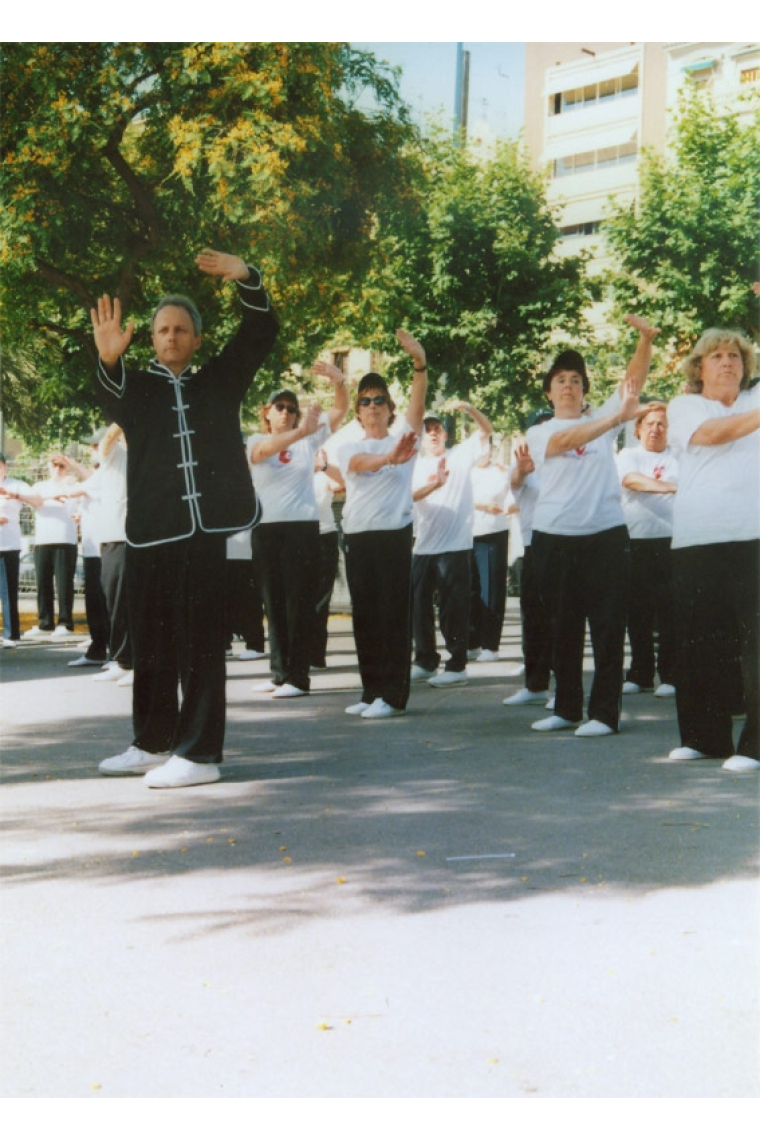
(441, 905)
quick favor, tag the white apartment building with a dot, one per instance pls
(592, 108)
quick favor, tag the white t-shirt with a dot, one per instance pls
(490, 485)
(718, 496)
(444, 518)
(647, 514)
(10, 532)
(376, 500)
(323, 493)
(53, 521)
(579, 489)
(284, 482)
(526, 498)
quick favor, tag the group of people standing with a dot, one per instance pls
(594, 553)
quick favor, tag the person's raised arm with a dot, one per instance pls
(483, 423)
(584, 433)
(225, 265)
(273, 444)
(331, 372)
(726, 429)
(523, 466)
(438, 480)
(415, 412)
(638, 367)
(365, 462)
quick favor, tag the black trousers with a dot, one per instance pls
(9, 567)
(176, 621)
(717, 592)
(586, 578)
(328, 567)
(536, 628)
(244, 606)
(650, 608)
(113, 576)
(55, 562)
(489, 601)
(379, 573)
(96, 610)
(448, 575)
(286, 558)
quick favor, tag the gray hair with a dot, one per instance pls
(179, 301)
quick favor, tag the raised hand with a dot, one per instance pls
(330, 371)
(630, 401)
(642, 326)
(111, 340)
(524, 460)
(404, 449)
(224, 265)
(310, 421)
(412, 346)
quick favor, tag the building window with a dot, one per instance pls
(580, 229)
(599, 159)
(749, 75)
(340, 360)
(560, 102)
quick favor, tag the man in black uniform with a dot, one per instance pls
(188, 487)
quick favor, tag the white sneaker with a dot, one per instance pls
(594, 728)
(630, 688)
(420, 673)
(358, 708)
(36, 634)
(488, 655)
(740, 764)
(665, 691)
(553, 724)
(61, 633)
(250, 655)
(685, 753)
(448, 678)
(127, 681)
(133, 762)
(178, 772)
(286, 690)
(8, 643)
(526, 697)
(112, 672)
(474, 654)
(264, 687)
(380, 709)
(550, 704)
(81, 662)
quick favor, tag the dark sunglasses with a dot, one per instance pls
(287, 408)
(378, 401)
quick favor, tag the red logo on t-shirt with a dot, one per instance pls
(659, 471)
(580, 450)
(285, 456)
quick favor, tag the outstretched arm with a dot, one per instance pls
(486, 428)
(415, 413)
(331, 372)
(365, 461)
(224, 265)
(638, 368)
(111, 340)
(584, 433)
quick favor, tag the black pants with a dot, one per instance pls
(55, 562)
(379, 573)
(489, 601)
(113, 557)
(717, 592)
(244, 606)
(96, 610)
(586, 577)
(10, 560)
(176, 621)
(650, 608)
(286, 558)
(328, 566)
(536, 628)
(448, 575)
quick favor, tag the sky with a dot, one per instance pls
(428, 82)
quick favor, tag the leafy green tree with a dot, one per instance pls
(121, 160)
(471, 266)
(687, 250)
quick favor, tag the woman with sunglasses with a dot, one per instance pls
(286, 543)
(377, 527)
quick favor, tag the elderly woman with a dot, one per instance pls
(377, 528)
(580, 541)
(648, 475)
(716, 548)
(286, 542)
